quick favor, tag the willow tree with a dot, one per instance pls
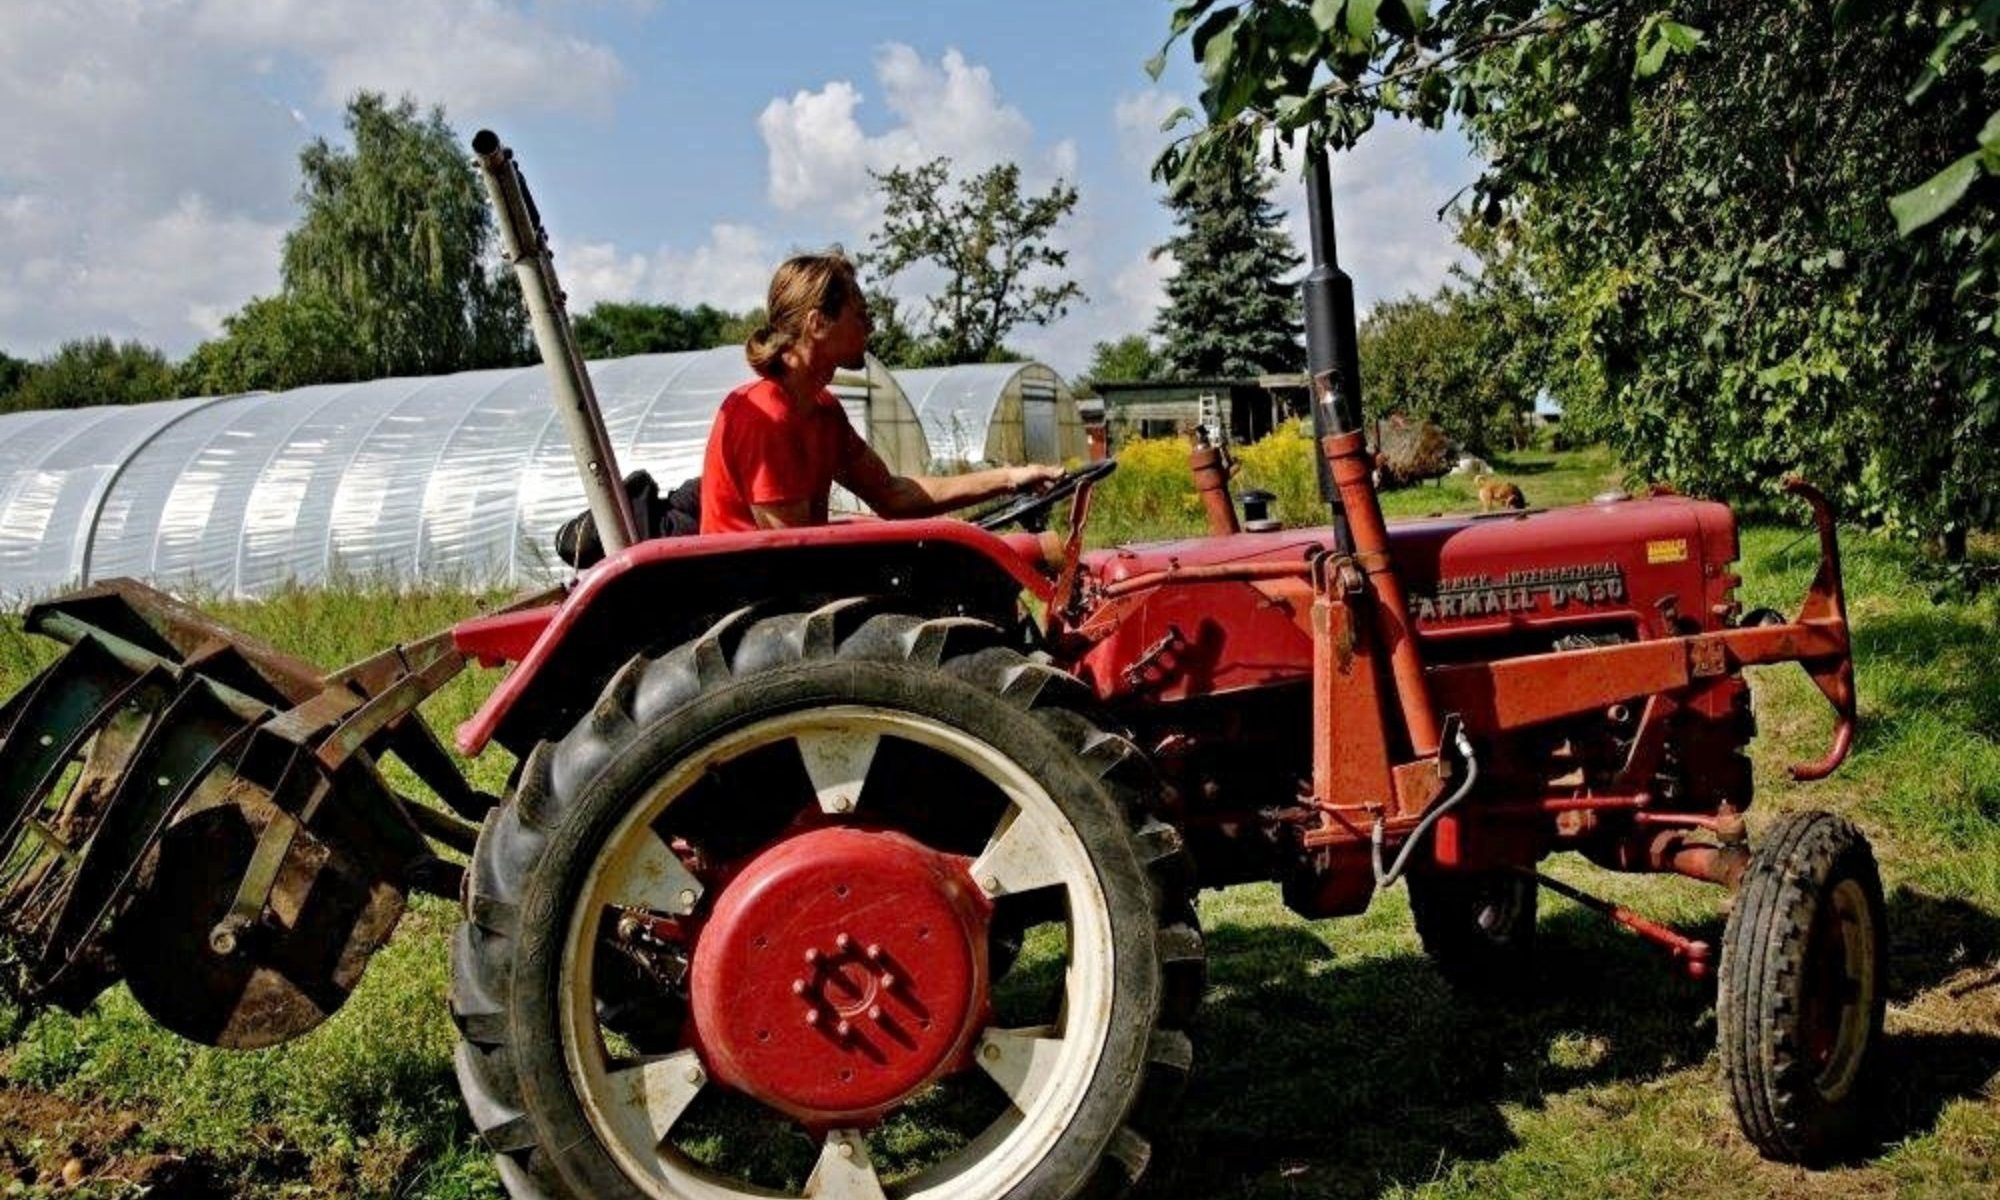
(396, 234)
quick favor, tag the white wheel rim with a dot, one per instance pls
(1848, 905)
(633, 1105)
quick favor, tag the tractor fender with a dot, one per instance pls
(660, 592)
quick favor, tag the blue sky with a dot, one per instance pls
(678, 149)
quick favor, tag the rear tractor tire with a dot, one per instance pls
(1802, 988)
(809, 846)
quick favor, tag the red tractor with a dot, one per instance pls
(888, 834)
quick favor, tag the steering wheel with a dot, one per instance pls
(1032, 512)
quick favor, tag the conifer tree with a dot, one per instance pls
(1232, 310)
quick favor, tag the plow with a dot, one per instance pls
(819, 832)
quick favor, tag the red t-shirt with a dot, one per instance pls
(762, 451)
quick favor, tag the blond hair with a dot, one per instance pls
(802, 285)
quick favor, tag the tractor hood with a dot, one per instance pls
(1630, 566)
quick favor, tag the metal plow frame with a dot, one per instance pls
(192, 810)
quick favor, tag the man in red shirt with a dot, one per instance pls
(782, 441)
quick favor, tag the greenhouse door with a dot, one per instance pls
(1039, 441)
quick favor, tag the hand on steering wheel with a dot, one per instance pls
(1032, 512)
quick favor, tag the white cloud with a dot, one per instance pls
(816, 151)
(1137, 119)
(167, 279)
(819, 157)
(149, 153)
(730, 270)
(1386, 197)
(470, 57)
(592, 272)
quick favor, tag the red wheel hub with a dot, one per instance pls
(841, 971)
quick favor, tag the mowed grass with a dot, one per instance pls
(1331, 1061)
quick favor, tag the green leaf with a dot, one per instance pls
(1659, 38)
(1214, 42)
(1935, 196)
(1989, 136)
(1359, 21)
(1326, 14)
(1651, 59)
(1180, 113)
(1157, 63)
(1185, 14)
(1682, 37)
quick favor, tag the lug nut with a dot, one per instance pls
(843, 1029)
(812, 956)
(842, 942)
(799, 987)
(688, 898)
(875, 1014)
(888, 982)
(874, 952)
(812, 1016)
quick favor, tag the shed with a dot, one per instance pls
(1248, 407)
(455, 480)
(995, 413)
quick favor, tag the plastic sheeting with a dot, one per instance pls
(455, 480)
(995, 413)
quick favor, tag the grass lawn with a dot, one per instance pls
(1331, 1062)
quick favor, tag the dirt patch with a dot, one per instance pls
(52, 1144)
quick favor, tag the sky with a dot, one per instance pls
(678, 149)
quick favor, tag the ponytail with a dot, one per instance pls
(802, 285)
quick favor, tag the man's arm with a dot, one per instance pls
(928, 495)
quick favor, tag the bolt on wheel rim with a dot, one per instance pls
(634, 1102)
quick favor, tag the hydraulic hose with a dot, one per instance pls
(1384, 879)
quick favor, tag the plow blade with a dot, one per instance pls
(196, 813)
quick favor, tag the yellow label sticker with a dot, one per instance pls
(1667, 550)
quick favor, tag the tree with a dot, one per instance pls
(1230, 311)
(397, 234)
(93, 371)
(1129, 359)
(992, 245)
(1697, 197)
(890, 337)
(13, 373)
(274, 343)
(1433, 358)
(614, 330)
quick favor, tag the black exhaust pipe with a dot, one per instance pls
(1332, 354)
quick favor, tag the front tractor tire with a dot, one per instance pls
(830, 904)
(1477, 926)
(1802, 988)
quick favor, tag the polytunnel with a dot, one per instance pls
(996, 413)
(456, 480)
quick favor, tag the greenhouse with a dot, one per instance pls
(457, 480)
(995, 413)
